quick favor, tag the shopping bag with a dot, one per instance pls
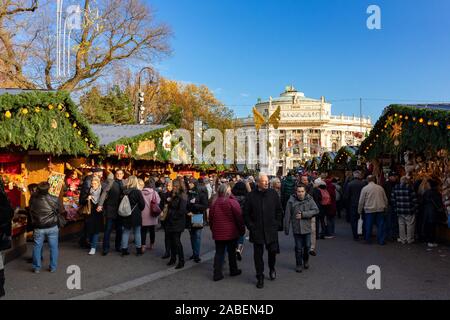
(197, 221)
(360, 226)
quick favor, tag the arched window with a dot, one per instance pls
(334, 147)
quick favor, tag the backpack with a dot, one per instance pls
(125, 207)
(326, 198)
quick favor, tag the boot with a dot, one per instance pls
(139, 251)
(124, 252)
(180, 265)
(260, 283)
(172, 261)
(2, 283)
(166, 255)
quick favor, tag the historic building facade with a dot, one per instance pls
(306, 129)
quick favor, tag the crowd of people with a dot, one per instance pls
(236, 208)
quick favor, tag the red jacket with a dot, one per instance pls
(225, 219)
(332, 191)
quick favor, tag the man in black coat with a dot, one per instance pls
(263, 217)
(351, 195)
(109, 203)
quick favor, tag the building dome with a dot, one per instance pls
(290, 91)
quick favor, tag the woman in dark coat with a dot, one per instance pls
(133, 222)
(240, 192)
(164, 196)
(176, 222)
(6, 215)
(94, 221)
(432, 209)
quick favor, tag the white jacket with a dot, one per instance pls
(373, 199)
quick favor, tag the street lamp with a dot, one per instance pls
(140, 108)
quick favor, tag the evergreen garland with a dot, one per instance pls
(421, 130)
(45, 121)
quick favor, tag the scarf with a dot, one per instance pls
(95, 195)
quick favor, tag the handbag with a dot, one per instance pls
(155, 209)
(86, 209)
(197, 220)
(61, 221)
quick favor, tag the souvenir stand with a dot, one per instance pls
(415, 141)
(39, 131)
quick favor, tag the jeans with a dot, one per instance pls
(370, 218)
(176, 247)
(126, 236)
(39, 237)
(196, 240)
(258, 253)
(144, 230)
(108, 229)
(221, 246)
(94, 239)
(302, 247)
(391, 224)
(331, 225)
(407, 225)
(241, 240)
(166, 238)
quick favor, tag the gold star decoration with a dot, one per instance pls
(396, 130)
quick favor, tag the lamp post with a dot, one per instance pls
(140, 109)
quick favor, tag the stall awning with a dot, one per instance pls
(111, 133)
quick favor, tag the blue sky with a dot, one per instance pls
(254, 48)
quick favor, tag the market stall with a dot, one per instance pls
(415, 141)
(39, 132)
(327, 161)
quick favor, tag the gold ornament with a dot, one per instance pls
(421, 120)
(8, 114)
(54, 124)
(60, 106)
(37, 109)
(436, 124)
(75, 125)
(24, 110)
(79, 133)
(67, 114)
(86, 139)
(396, 130)
(50, 107)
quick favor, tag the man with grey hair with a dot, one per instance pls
(352, 195)
(374, 202)
(263, 217)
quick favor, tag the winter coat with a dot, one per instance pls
(176, 217)
(263, 216)
(115, 195)
(353, 192)
(331, 210)
(404, 200)
(137, 204)
(225, 219)
(44, 210)
(433, 208)
(149, 195)
(372, 199)
(307, 207)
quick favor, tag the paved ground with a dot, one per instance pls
(337, 272)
